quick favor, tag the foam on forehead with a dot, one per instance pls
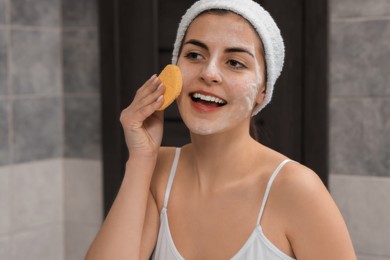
(264, 25)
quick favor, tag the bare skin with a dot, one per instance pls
(222, 175)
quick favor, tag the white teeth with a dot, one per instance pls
(208, 98)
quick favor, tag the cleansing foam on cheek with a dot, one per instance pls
(249, 91)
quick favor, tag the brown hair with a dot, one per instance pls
(253, 131)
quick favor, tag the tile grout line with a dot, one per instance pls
(371, 254)
(361, 177)
(359, 98)
(55, 95)
(24, 27)
(10, 121)
(79, 28)
(63, 140)
(62, 87)
(359, 19)
(9, 83)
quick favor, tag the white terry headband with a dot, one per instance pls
(263, 23)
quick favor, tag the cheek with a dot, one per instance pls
(260, 75)
(251, 87)
(252, 90)
(188, 74)
(246, 94)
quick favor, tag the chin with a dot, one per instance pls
(203, 131)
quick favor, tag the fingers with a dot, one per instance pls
(149, 86)
(150, 107)
(149, 92)
(151, 98)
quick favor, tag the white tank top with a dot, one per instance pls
(257, 247)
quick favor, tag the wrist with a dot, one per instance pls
(142, 159)
(143, 155)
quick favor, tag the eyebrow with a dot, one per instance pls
(197, 43)
(228, 50)
(239, 49)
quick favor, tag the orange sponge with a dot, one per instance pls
(172, 80)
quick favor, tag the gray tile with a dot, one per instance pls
(372, 257)
(3, 11)
(5, 221)
(5, 252)
(359, 8)
(82, 127)
(79, 13)
(37, 12)
(78, 238)
(81, 61)
(4, 133)
(359, 58)
(38, 244)
(36, 62)
(3, 63)
(36, 195)
(359, 136)
(37, 129)
(365, 204)
(83, 189)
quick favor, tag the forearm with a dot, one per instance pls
(121, 233)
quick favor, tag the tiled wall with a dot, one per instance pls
(359, 121)
(81, 79)
(83, 205)
(31, 211)
(50, 165)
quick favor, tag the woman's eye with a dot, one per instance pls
(236, 64)
(193, 56)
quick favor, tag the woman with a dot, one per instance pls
(224, 195)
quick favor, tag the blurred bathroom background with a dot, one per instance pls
(51, 195)
(50, 152)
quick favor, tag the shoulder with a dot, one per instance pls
(303, 188)
(160, 177)
(294, 178)
(297, 190)
(299, 180)
(313, 223)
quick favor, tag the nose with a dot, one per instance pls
(211, 73)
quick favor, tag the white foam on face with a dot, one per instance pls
(242, 107)
(242, 103)
(259, 80)
(241, 91)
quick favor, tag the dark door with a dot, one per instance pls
(136, 40)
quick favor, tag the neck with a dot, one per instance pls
(218, 159)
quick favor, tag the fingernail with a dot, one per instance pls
(159, 99)
(155, 79)
(160, 86)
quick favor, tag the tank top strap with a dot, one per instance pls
(171, 176)
(269, 185)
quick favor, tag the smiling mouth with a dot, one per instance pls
(207, 99)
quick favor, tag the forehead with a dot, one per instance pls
(225, 28)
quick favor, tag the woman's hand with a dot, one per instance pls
(142, 124)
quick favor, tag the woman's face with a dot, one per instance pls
(223, 73)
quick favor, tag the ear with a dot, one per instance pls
(261, 95)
